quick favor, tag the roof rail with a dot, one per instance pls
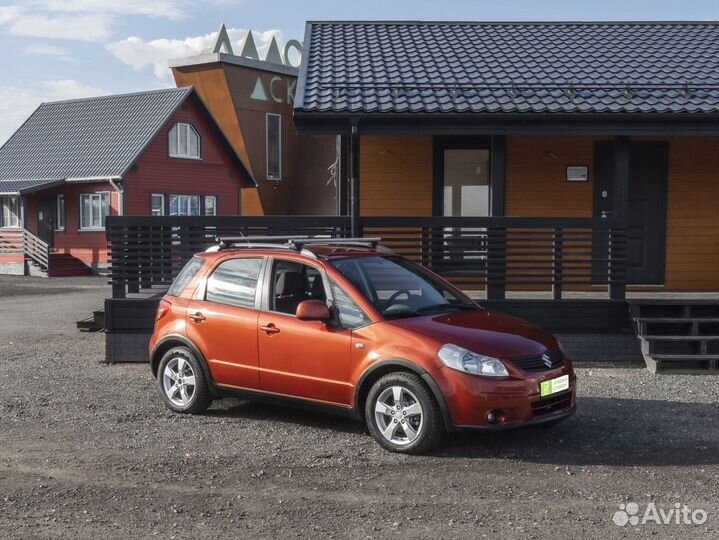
(294, 242)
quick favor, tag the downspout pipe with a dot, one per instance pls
(121, 192)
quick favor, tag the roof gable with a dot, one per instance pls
(458, 67)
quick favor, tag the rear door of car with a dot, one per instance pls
(222, 321)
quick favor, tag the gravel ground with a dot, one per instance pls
(87, 450)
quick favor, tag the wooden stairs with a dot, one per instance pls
(678, 336)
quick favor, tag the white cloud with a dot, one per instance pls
(88, 20)
(18, 102)
(163, 9)
(75, 27)
(154, 54)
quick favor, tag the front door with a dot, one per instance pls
(647, 208)
(46, 220)
(304, 359)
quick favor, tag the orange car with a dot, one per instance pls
(351, 327)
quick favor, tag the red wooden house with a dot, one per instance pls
(72, 163)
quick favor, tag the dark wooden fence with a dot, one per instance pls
(495, 254)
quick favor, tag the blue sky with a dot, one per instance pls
(61, 49)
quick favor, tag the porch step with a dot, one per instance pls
(65, 265)
(94, 323)
(678, 336)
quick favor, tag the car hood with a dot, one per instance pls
(483, 331)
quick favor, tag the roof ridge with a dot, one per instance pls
(706, 22)
(181, 89)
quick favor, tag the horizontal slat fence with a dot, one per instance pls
(493, 253)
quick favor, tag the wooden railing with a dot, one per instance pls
(11, 241)
(36, 250)
(495, 254)
(150, 251)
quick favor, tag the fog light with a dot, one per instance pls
(493, 417)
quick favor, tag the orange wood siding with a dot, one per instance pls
(396, 175)
(536, 183)
(693, 214)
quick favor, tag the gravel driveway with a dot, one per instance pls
(87, 450)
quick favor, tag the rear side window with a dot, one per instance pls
(234, 283)
(185, 276)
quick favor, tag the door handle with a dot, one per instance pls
(270, 329)
(198, 317)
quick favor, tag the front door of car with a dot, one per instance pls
(298, 358)
(222, 322)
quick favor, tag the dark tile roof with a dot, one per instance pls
(455, 67)
(28, 186)
(87, 138)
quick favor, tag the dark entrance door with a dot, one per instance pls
(647, 211)
(46, 220)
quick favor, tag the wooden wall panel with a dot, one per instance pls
(156, 172)
(396, 175)
(693, 214)
(536, 183)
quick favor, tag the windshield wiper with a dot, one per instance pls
(448, 305)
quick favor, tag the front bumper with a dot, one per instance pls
(515, 402)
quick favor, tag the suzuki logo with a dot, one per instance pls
(547, 360)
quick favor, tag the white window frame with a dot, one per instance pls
(101, 195)
(267, 145)
(162, 205)
(175, 133)
(60, 212)
(17, 222)
(204, 205)
(187, 204)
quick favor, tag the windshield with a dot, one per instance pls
(400, 288)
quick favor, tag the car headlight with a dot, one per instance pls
(461, 359)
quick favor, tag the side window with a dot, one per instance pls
(185, 276)
(350, 314)
(234, 283)
(293, 283)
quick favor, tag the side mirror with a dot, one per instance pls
(312, 310)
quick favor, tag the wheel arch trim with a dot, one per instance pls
(183, 341)
(407, 365)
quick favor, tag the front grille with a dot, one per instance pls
(551, 404)
(539, 362)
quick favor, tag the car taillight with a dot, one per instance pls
(162, 309)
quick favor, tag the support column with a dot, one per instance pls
(497, 168)
(620, 206)
(354, 181)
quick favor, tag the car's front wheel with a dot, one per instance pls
(402, 414)
(182, 382)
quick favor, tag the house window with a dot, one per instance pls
(274, 146)
(466, 182)
(94, 207)
(184, 205)
(157, 204)
(184, 141)
(60, 213)
(210, 205)
(9, 211)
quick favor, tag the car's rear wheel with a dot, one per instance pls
(182, 382)
(402, 414)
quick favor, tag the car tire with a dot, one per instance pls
(413, 423)
(182, 382)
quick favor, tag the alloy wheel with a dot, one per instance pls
(398, 415)
(178, 381)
